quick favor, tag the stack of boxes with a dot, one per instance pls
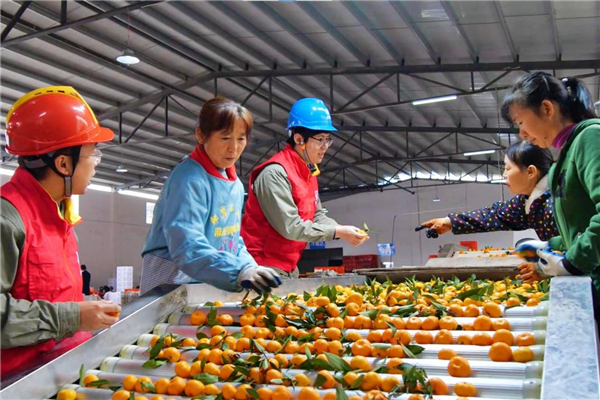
(365, 261)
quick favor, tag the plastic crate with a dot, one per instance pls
(470, 244)
(339, 270)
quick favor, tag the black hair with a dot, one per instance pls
(83, 267)
(39, 166)
(523, 154)
(572, 97)
(305, 132)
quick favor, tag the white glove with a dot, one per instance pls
(551, 263)
(529, 249)
(258, 278)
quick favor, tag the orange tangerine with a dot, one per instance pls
(362, 347)
(500, 352)
(198, 318)
(471, 311)
(446, 354)
(482, 339)
(393, 365)
(413, 323)
(482, 323)
(430, 323)
(438, 386)
(371, 381)
(444, 336)
(492, 309)
(500, 324)
(176, 386)
(138, 384)
(456, 310)
(281, 393)
(193, 388)
(525, 339)
(448, 323)
(504, 336)
(423, 337)
(228, 391)
(465, 389)
(182, 369)
(459, 367)
(523, 354)
(361, 363)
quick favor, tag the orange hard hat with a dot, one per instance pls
(49, 119)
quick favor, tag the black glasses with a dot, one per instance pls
(323, 142)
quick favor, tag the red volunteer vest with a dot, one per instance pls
(264, 243)
(48, 265)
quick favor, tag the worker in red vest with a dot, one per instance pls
(54, 132)
(283, 211)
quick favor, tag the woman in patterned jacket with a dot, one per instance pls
(525, 170)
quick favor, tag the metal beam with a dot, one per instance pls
(314, 14)
(144, 181)
(426, 129)
(511, 44)
(430, 159)
(555, 38)
(101, 59)
(399, 103)
(79, 22)
(415, 69)
(11, 24)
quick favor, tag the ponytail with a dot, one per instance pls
(573, 98)
(581, 106)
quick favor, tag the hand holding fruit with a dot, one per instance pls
(351, 234)
(95, 315)
(440, 225)
(529, 272)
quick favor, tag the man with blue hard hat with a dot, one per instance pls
(283, 210)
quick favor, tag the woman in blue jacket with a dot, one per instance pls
(195, 234)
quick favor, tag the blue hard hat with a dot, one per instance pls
(312, 114)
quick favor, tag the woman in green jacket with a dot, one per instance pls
(559, 113)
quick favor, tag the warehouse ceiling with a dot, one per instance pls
(367, 60)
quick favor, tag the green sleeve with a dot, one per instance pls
(584, 253)
(556, 243)
(24, 322)
(274, 193)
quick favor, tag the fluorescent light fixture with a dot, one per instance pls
(100, 188)
(138, 194)
(121, 169)
(7, 172)
(434, 100)
(477, 153)
(437, 200)
(128, 57)
(498, 181)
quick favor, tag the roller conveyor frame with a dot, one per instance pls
(571, 329)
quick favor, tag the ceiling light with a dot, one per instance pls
(498, 181)
(434, 100)
(121, 169)
(128, 57)
(100, 188)
(477, 153)
(437, 200)
(138, 194)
